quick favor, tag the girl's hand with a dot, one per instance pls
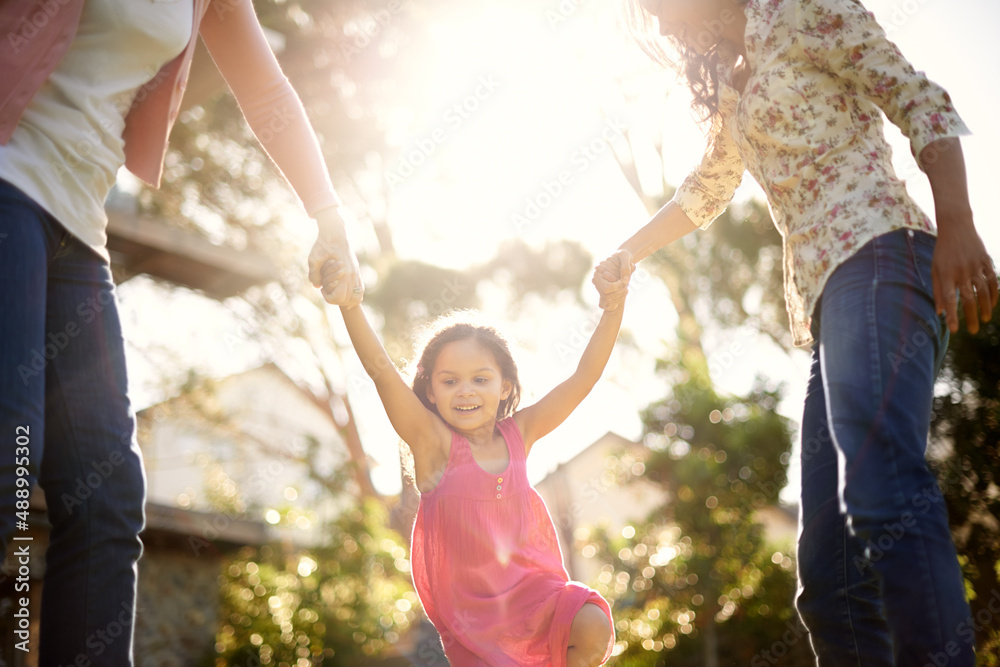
(333, 275)
(611, 278)
(962, 268)
(345, 288)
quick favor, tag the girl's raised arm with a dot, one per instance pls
(419, 428)
(542, 417)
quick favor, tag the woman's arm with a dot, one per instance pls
(700, 199)
(960, 259)
(539, 419)
(669, 224)
(274, 112)
(844, 39)
(612, 275)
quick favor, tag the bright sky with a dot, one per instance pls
(529, 94)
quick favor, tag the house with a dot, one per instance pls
(177, 601)
(224, 461)
(600, 486)
(255, 442)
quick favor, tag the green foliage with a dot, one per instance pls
(344, 61)
(338, 604)
(730, 275)
(965, 453)
(699, 577)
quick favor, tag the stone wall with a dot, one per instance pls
(177, 609)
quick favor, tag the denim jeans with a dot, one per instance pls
(879, 579)
(63, 391)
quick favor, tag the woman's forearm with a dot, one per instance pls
(666, 226)
(944, 164)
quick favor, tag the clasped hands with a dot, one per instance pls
(333, 266)
(611, 278)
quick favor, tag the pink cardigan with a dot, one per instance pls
(39, 32)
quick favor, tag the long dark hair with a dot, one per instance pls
(449, 331)
(700, 71)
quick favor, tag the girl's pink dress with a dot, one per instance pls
(487, 566)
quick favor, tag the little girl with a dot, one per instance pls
(485, 558)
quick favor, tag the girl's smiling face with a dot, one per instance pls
(467, 386)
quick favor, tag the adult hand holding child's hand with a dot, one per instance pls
(332, 247)
(333, 276)
(611, 278)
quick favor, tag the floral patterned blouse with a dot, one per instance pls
(807, 127)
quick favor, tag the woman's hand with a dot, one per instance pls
(962, 269)
(342, 285)
(611, 278)
(332, 275)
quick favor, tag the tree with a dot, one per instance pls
(698, 580)
(698, 584)
(339, 604)
(965, 455)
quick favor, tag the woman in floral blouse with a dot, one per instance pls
(793, 89)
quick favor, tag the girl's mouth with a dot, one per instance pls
(466, 408)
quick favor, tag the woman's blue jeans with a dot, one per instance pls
(63, 392)
(879, 579)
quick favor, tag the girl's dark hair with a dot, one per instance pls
(700, 71)
(449, 331)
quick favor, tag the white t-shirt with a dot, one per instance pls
(68, 147)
